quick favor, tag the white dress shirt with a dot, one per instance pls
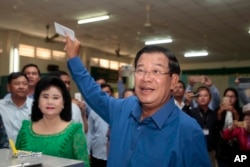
(97, 136)
(13, 116)
(76, 114)
(179, 105)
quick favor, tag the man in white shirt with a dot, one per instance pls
(16, 107)
(97, 135)
(34, 75)
(178, 93)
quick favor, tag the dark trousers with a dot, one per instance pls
(97, 162)
(222, 163)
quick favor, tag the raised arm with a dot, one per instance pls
(98, 100)
(72, 48)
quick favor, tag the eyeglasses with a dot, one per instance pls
(155, 73)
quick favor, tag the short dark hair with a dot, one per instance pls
(31, 65)
(58, 73)
(109, 86)
(204, 88)
(15, 75)
(174, 66)
(183, 84)
(43, 84)
(128, 90)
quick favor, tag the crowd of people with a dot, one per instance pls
(161, 121)
(219, 119)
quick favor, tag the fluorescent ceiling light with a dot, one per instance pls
(196, 54)
(153, 42)
(93, 19)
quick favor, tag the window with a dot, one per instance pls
(43, 53)
(58, 55)
(94, 62)
(123, 64)
(104, 63)
(26, 50)
(114, 65)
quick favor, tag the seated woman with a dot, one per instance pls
(4, 143)
(51, 131)
(240, 130)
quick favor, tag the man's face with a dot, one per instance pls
(154, 91)
(18, 87)
(179, 90)
(33, 75)
(66, 80)
(204, 98)
(107, 90)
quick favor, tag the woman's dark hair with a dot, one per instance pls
(174, 66)
(44, 84)
(237, 102)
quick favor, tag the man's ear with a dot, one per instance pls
(174, 81)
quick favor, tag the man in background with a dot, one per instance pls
(97, 136)
(205, 117)
(16, 107)
(179, 93)
(34, 75)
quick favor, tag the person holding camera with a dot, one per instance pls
(205, 117)
(206, 81)
(228, 112)
(240, 130)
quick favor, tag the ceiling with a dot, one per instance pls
(220, 26)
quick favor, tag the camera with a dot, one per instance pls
(126, 70)
(196, 94)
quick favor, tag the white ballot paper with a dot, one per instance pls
(78, 96)
(62, 30)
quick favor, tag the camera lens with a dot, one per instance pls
(196, 94)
